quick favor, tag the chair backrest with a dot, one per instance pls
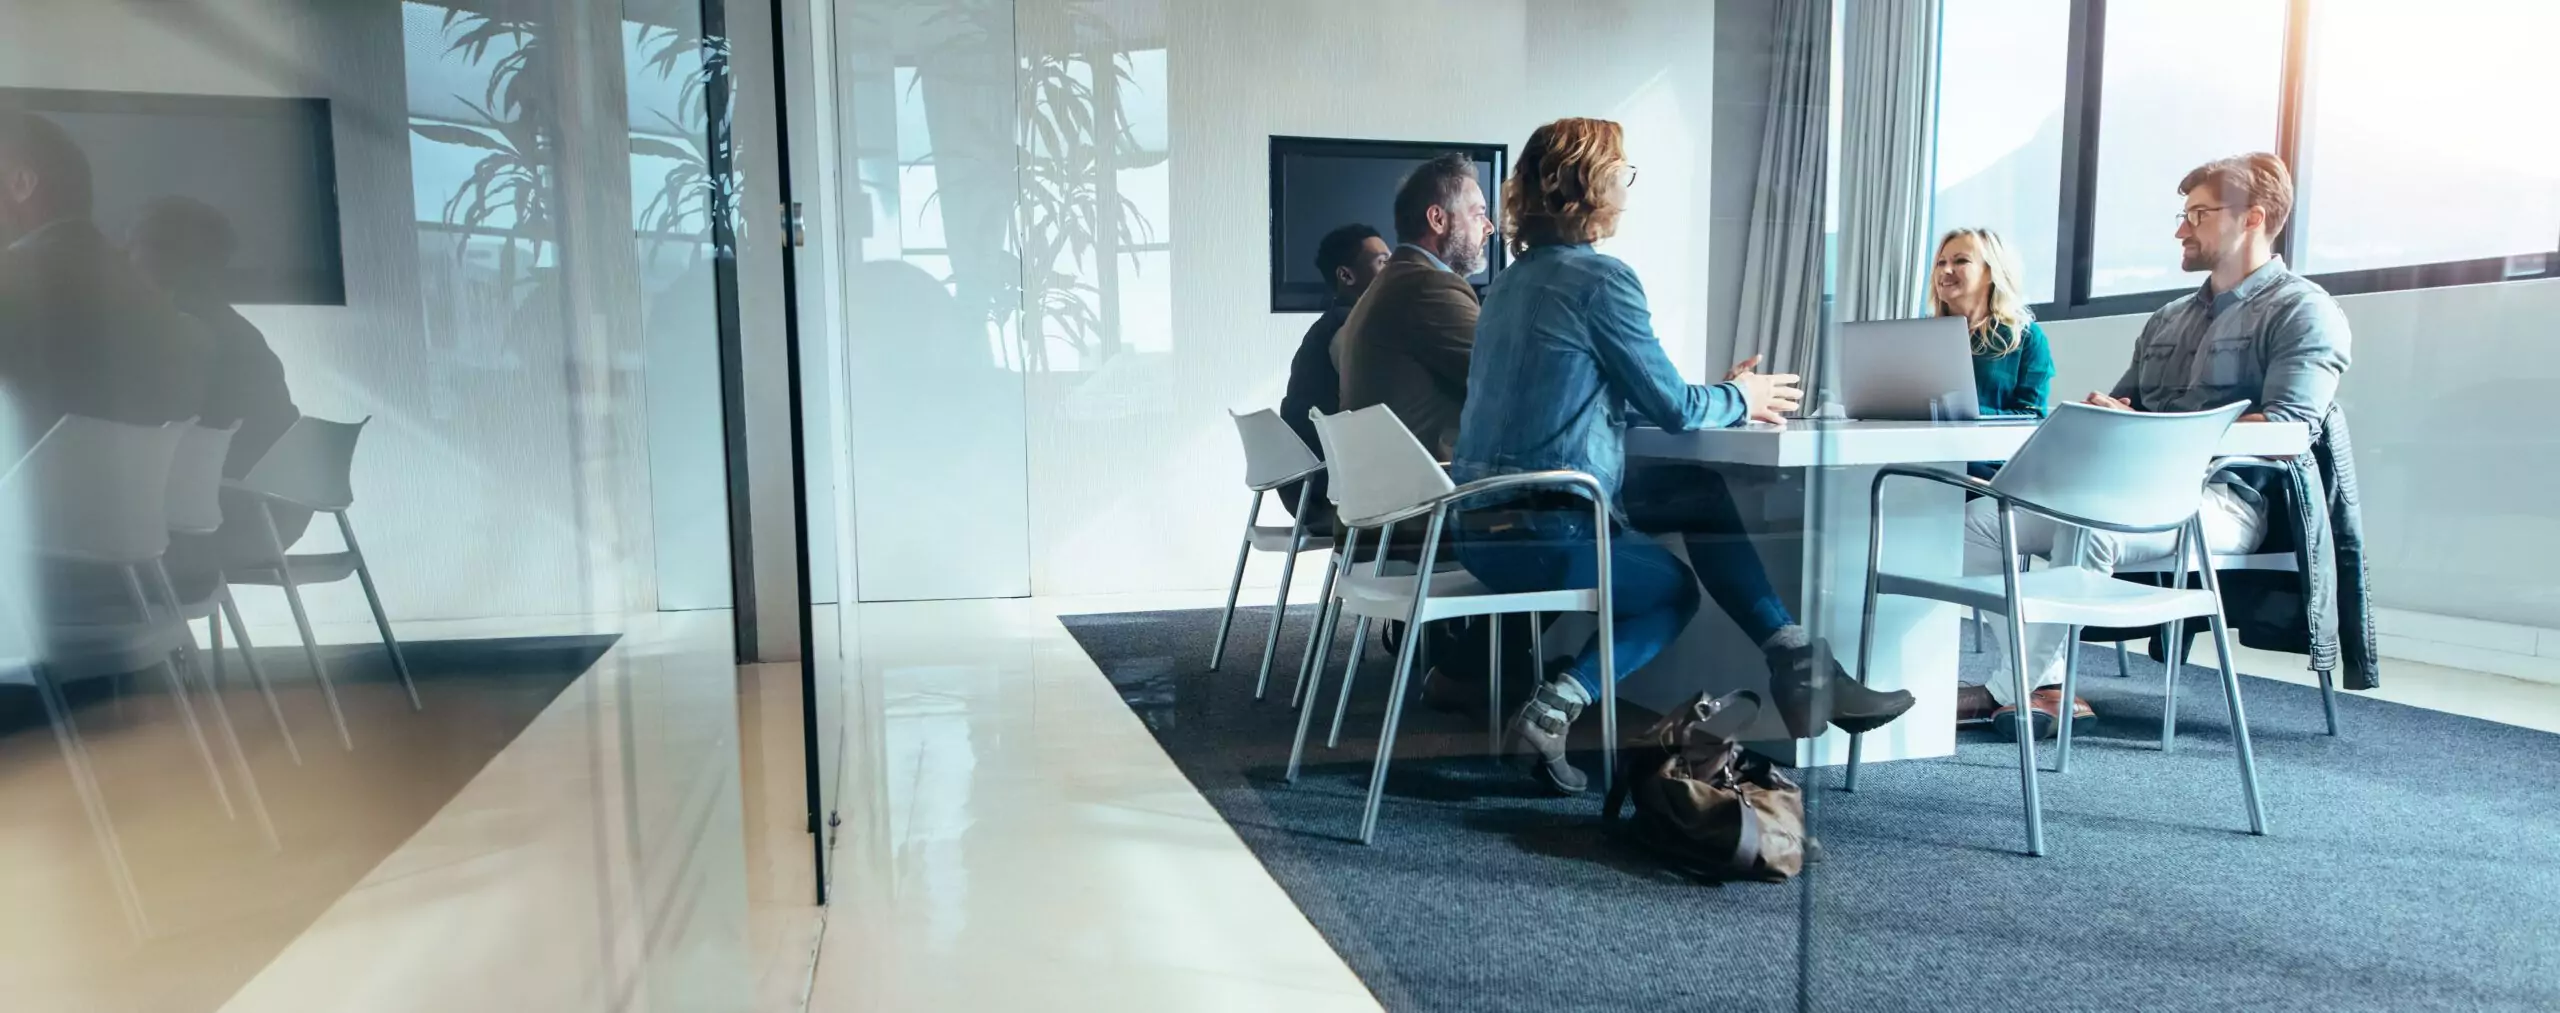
(309, 466)
(195, 479)
(93, 490)
(1272, 453)
(2127, 470)
(1375, 464)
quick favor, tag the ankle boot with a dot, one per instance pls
(1852, 706)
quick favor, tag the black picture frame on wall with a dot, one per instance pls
(1297, 221)
(269, 164)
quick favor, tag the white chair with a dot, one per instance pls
(195, 508)
(311, 467)
(1273, 457)
(1380, 475)
(94, 493)
(2274, 562)
(2127, 472)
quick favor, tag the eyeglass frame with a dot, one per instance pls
(2188, 216)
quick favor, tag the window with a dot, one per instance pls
(2428, 139)
(2185, 82)
(2423, 148)
(1999, 151)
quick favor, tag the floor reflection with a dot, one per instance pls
(145, 894)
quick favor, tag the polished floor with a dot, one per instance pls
(531, 839)
(1011, 837)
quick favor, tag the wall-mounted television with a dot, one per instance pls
(268, 164)
(1321, 183)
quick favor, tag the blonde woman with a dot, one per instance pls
(1564, 349)
(1976, 277)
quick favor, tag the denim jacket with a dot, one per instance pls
(1565, 353)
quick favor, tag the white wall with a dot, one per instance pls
(2456, 454)
(1134, 467)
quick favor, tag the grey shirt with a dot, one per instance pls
(2276, 340)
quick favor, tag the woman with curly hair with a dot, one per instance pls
(1564, 352)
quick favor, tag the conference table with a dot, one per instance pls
(1803, 491)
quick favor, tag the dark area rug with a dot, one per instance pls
(2413, 862)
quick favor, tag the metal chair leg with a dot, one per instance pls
(1244, 551)
(1328, 617)
(224, 607)
(93, 801)
(2025, 692)
(2070, 692)
(1537, 647)
(2124, 669)
(2329, 699)
(1866, 654)
(1350, 673)
(1978, 631)
(1280, 605)
(221, 710)
(178, 694)
(2174, 664)
(1493, 688)
(2239, 728)
(302, 622)
(381, 621)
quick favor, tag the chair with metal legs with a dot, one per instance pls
(2126, 472)
(311, 467)
(195, 509)
(1380, 475)
(94, 494)
(2274, 562)
(1273, 457)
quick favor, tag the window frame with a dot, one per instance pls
(2074, 237)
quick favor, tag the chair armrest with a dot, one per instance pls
(1497, 483)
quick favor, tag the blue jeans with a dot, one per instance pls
(1548, 545)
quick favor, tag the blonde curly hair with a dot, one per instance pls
(1563, 189)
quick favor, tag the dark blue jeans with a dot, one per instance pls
(1545, 545)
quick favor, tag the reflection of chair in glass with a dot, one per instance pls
(91, 501)
(1381, 476)
(2126, 472)
(1273, 457)
(310, 467)
(195, 508)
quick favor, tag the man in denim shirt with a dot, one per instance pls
(2254, 332)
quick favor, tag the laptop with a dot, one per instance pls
(1911, 371)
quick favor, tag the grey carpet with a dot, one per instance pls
(2414, 862)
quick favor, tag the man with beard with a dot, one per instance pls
(1406, 344)
(2255, 332)
(1349, 257)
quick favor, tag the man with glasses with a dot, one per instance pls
(2255, 331)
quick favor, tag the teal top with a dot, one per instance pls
(2019, 382)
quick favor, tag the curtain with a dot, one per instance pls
(1780, 316)
(1888, 128)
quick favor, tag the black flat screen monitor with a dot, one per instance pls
(1321, 183)
(268, 164)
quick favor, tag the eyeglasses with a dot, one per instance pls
(1626, 175)
(2193, 217)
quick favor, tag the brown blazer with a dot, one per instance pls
(1406, 346)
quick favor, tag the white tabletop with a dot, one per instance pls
(1838, 443)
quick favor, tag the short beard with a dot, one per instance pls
(2201, 260)
(1464, 254)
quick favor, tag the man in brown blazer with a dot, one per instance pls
(1407, 341)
